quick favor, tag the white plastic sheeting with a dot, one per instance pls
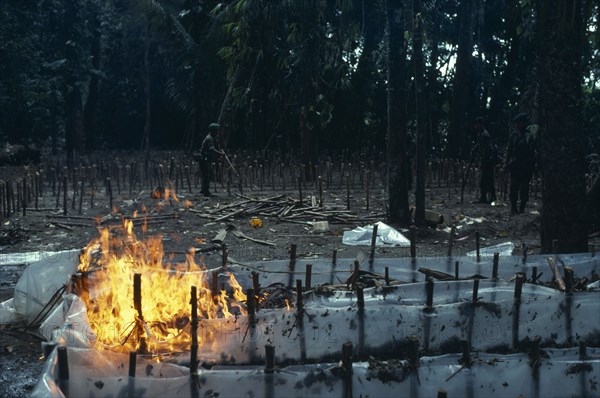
(386, 235)
(503, 249)
(392, 314)
(39, 282)
(561, 373)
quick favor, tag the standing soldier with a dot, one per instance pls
(520, 160)
(210, 146)
(487, 153)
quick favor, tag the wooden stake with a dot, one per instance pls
(520, 279)
(475, 290)
(451, 240)
(63, 369)
(367, 187)
(569, 280)
(429, 288)
(194, 330)
(347, 357)
(270, 358)
(360, 297)
(299, 304)
(373, 242)
(347, 191)
(477, 238)
(132, 363)
(65, 194)
(534, 274)
(308, 276)
(320, 192)
(495, 266)
(413, 244)
(224, 256)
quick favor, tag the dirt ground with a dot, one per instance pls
(20, 353)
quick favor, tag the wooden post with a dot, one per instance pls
(534, 274)
(413, 244)
(224, 256)
(475, 290)
(137, 305)
(65, 194)
(456, 264)
(132, 363)
(308, 276)
(429, 288)
(320, 192)
(477, 238)
(413, 351)
(214, 286)
(270, 358)
(387, 276)
(110, 195)
(347, 191)
(367, 187)
(194, 330)
(63, 369)
(451, 240)
(360, 298)
(373, 242)
(519, 285)
(347, 357)
(466, 350)
(495, 266)
(299, 304)
(524, 249)
(568, 280)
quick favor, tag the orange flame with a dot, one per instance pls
(110, 263)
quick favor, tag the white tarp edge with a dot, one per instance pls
(386, 235)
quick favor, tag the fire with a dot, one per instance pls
(110, 263)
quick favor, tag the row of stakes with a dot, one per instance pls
(347, 348)
(270, 367)
(19, 195)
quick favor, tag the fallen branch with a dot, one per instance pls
(556, 273)
(262, 242)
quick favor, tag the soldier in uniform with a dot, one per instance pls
(486, 152)
(210, 146)
(520, 161)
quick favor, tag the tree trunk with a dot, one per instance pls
(562, 152)
(421, 112)
(92, 98)
(148, 123)
(310, 84)
(74, 139)
(462, 87)
(499, 114)
(397, 161)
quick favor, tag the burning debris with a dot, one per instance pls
(125, 318)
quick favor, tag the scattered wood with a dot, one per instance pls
(64, 226)
(556, 273)
(241, 235)
(281, 207)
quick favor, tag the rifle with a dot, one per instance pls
(230, 164)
